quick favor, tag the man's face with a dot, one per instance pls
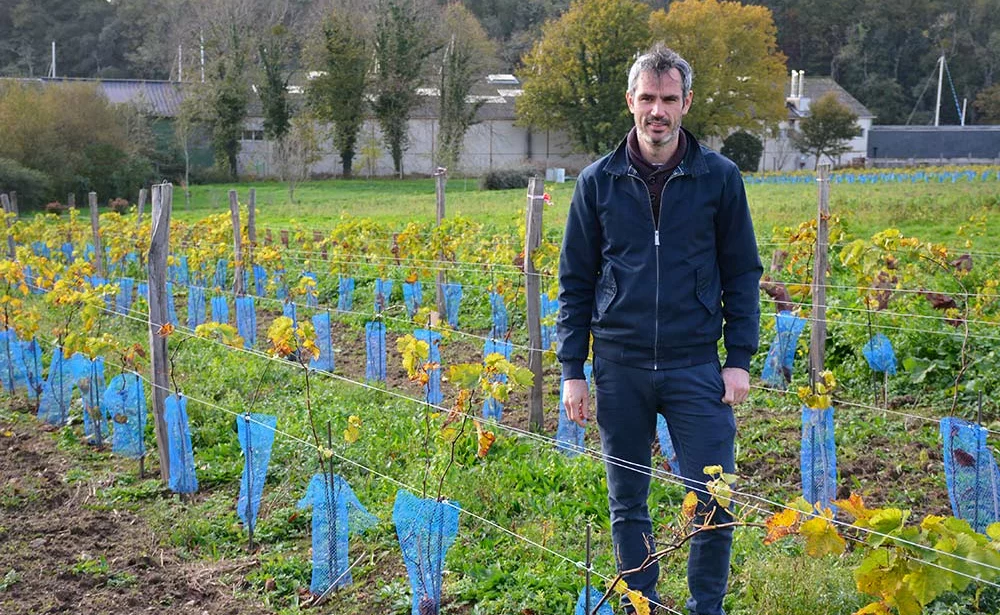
(658, 106)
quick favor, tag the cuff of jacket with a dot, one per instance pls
(572, 370)
(737, 357)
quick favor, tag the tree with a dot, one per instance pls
(575, 77)
(230, 98)
(827, 129)
(341, 56)
(744, 149)
(988, 105)
(403, 42)
(299, 151)
(739, 73)
(271, 58)
(465, 58)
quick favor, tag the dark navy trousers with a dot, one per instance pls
(703, 432)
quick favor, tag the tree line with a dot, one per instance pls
(885, 54)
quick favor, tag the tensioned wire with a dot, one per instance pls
(306, 443)
(481, 338)
(333, 310)
(623, 463)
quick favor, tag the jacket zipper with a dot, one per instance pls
(656, 248)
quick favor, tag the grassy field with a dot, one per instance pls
(933, 211)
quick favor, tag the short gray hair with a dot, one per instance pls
(659, 60)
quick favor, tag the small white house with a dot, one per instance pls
(780, 153)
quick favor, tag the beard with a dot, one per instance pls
(660, 139)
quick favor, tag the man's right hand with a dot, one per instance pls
(576, 399)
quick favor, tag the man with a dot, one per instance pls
(658, 262)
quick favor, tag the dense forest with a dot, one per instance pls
(884, 53)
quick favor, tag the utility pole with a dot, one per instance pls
(937, 107)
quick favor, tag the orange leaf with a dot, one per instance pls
(165, 329)
(780, 525)
(485, 439)
(690, 505)
(855, 507)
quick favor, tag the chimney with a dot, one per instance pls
(794, 88)
(802, 83)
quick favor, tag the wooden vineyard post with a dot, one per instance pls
(7, 207)
(817, 340)
(141, 205)
(532, 288)
(71, 200)
(251, 226)
(95, 225)
(234, 209)
(159, 247)
(440, 177)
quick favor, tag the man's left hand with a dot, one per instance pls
(737, 383)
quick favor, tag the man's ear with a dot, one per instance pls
(687, 102)
(628, 101)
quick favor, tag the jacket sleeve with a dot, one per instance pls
(579, 263)
(740, 270)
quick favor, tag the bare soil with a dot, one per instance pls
(60, 554)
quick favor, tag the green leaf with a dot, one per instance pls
(927, 583)
(465, 375)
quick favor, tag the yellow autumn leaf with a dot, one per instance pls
(485, 439)
(690, 505)
(353, 431)
(821, 538)
(780, 525)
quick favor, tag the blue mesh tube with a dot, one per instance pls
(88, 252)
(493, 408)
(337, 513)
(312, 295)
(569, 435)
(67, 252)
(288, 309)
(220, 310)
(196, 306)
(57, 390)
(260, 280)
(221, 273)
(413, 297)
(345, 294)
(819, 457)
(971, 473)
(13, 371)
(246, 281)
(31, 353)
(452, 300)
(171, 306)
(89, 377)
(549, 310)
(667, 445)
(256, 435)
(595, 597)
(881, 358)
(324, 341)
(432, 390)
(375, 351)
(246, 321)
(179, 273)
(125, 403)
(40, 249)
(281, 287)
(383, 294)
(781, 356)
(498, 312)
(426, 529)
(182, 475)
(142, 291)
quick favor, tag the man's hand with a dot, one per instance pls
(576, 398)
(737, 385)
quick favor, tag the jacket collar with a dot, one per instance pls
(692, 164)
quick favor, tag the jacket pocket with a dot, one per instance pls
(707, 288)
(607, 288)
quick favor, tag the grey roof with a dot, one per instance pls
(934, 142)
(816, 87)
(158, 98)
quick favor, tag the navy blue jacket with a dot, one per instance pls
(656, 297)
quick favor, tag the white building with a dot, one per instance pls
(780, 153)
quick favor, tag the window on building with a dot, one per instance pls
(252, 135)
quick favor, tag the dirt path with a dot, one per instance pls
(58, 554)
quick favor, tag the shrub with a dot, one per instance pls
(32, 186)
(744, 149)
(118, 205)
(507, 179)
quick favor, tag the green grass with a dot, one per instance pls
(929, 210)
